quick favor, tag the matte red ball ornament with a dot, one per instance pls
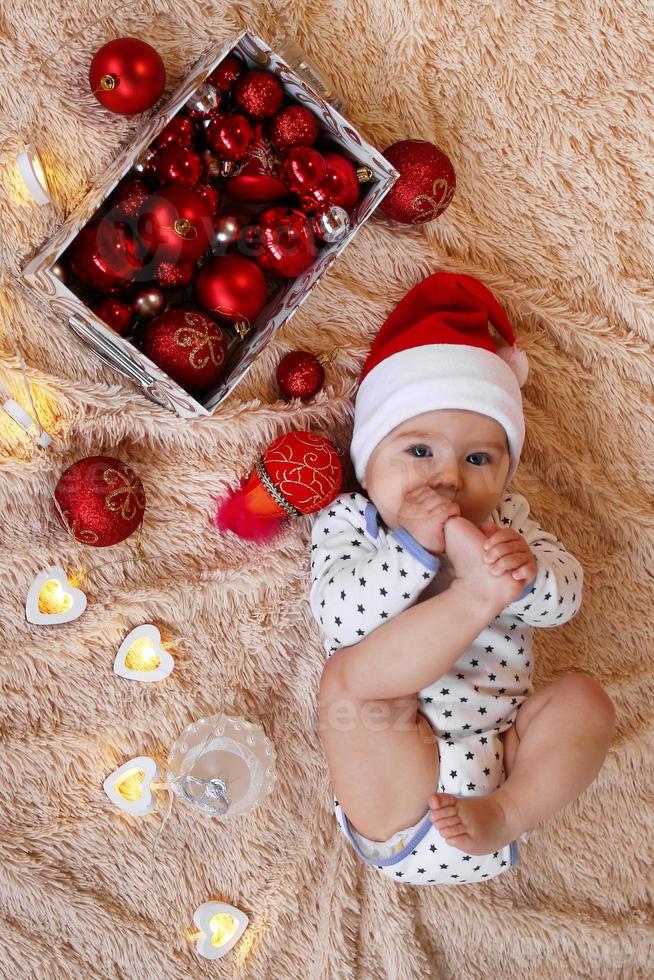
(211, 196)
(426, 184)
(232, 288)
(180, 131)
(230, 135)
(106, 256)
(176, 224)
(115, 312)
(226, 73)
(284, 242)
(127, 76)
(293, 126)
(189, 346)
(259, 177)
(299, 473)
(102, 499)
(178, 165)
(258, 93)
(304, 168)
(300, 375)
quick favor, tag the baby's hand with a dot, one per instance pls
(464, 544)
(506, 550)
(423, 513)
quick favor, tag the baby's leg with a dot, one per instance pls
(382, 756)
(564, 731)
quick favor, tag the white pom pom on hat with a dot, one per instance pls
(435, 351)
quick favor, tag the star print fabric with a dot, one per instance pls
(363, 574)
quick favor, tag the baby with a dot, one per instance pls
(427, 590)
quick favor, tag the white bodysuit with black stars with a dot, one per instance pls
(362, 574)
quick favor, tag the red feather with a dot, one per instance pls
(231, 515)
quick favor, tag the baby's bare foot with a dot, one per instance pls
(475, 825)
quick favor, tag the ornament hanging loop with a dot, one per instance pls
(108, 83)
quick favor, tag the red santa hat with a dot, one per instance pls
(435, 351)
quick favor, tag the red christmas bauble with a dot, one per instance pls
(127, 75)
(231, 287)
(299, 473)
(304, 168)
(180, 131)
(300, 375)
(293, 126)
(305, 468)
(106, 256)
(102, 499)
(173, 275)
(226, 73)
(178, 165)
(258, 93)
(115, 312)
(189, 346)
(425, 186)
(259, 177)
(230, 135)
(340, 188)
(283, 241)
(127, 198)
(176, 224)
(211, 196)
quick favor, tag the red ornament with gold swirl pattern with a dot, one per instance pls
(102, 499)
(299, 473)
(425, 186)
(189, 346)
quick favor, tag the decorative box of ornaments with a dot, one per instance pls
(213, 226)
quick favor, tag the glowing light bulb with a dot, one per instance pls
(142, 655)
(130, 787)
(33, 174)
(222, 927)
(53, 599)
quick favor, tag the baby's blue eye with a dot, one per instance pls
(479, 454)
(420, 456)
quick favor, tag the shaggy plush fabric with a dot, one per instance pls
(545, 111)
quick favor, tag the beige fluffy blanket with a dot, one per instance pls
(546, 112)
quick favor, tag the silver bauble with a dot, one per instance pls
(204, 101)
(227, 229)
(331, 224)
(148, 303)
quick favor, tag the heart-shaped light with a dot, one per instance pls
(141, 656)
(129, 786)
(221, 925)
(51, 600)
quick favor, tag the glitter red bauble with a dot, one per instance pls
(176, 224)
(102, 499)
(178, 165)
(304, 168)
(283, 241)
(189, 346)
(173, 275)
(293, 126)
(299, 473)
(232, 288)
(106, 256)
(115, 312)
(259, 177)
(230, 135)
(180, 131)
(128, 197)
(127, 75)
(224, 76)
(258, 93)
(425, 186)
(300, 375)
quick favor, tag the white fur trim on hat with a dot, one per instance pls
(431, 377)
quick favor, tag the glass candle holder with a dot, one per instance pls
(222, 765)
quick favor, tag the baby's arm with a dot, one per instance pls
(357, 585)
(554, 596)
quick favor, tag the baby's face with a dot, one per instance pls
(463, 455)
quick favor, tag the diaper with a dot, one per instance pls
(419, 855)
